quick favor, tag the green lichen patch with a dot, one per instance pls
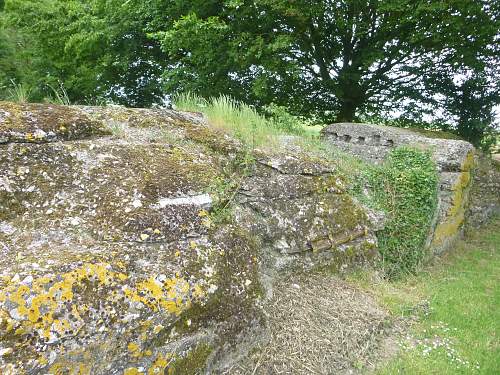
(38, 123)
(192, 363)
(294, 207)
(180, 127)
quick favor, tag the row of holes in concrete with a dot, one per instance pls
(375, 140)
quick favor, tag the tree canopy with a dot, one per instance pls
(335, 59)
(96, 48)
(337, 56)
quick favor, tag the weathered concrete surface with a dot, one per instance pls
(454, 160)
(136, 241)
(45, 123)
(485, 192)
(300, 211)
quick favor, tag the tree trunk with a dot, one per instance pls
(349, 93)
(347, 111)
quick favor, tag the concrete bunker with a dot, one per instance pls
(453, 158)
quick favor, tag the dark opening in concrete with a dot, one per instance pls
(376, 139)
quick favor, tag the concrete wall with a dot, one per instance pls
(454, 160)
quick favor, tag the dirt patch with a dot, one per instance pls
(319, 324)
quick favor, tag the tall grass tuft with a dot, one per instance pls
(189, 102)
(60, 95)
(238, 119)
(19, 92)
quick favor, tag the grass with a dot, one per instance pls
(19, 92)
(240, 120)
(457, 303)
(255, 130)
(60, 95)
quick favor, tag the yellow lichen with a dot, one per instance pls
(46, 306)
(134, 349)
(132, 371)
(69, 368)
(159, 365)
(198, 291)
(448, 229)
(455, 216)
(157, 329)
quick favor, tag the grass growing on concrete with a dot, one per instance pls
(405, 187)
(457, 303)
(238, 119)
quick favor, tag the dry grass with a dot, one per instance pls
(318, 325)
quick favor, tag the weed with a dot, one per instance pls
(60, 95)
(118, 129)
(405, 187)
(19, 92)
(225, 189)
(457, 331)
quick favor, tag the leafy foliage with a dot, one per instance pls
(332, 60)
(406, 188)
(330, 57)
(470, 104)
(96, 48)
(284, 120)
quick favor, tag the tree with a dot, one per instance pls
(333, 57)
(14, 60)
(95, 48)
(469, 105)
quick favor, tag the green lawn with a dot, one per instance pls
(457, 302)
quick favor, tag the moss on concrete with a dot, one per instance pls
(452, 224)
(38, 123)
(193, 363)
